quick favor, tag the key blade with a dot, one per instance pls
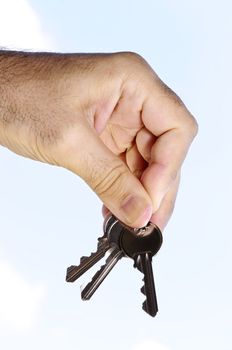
(100, 275)
(143, 264)
(74, 272)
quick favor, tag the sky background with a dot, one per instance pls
(49, 217)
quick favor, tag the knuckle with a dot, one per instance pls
(186, 120)
(132, 60)
(172, 95)
(193, 126)
(188, 124)
(108, 184)
(132, 55)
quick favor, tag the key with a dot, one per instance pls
(122, 241)
(100, 275)
(86, 262)
(143, 264)
(107, 242)
(141, 245)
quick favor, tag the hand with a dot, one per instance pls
(106, 117)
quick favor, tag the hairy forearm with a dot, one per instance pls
(33, 89)
(23, 77)
(42, 94)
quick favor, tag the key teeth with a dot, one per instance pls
(101, 240)
(69, 271)
(137, 265)
(83, 258)
(144, 305)
(150, 312)
(71, 268)
(100, 243)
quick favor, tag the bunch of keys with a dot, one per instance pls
(122, 241)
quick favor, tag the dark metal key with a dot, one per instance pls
(86, 262)
(112, 230)
(100, 275)
(120, 240)
(140, 245)
(143, 264)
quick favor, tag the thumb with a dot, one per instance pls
(110, 178)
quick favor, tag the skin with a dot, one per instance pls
(106, 117)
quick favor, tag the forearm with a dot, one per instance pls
(33, 85)
(22, 78)
(33, 92)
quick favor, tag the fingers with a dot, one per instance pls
(135, 161)
(174, 129)
(144, 142)
(164, 147)
(163, 214)
(121, 192)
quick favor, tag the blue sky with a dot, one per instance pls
(45, 211)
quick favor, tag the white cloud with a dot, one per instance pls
(19, 300)
(20, 27)
(150, 345)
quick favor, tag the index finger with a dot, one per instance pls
(166, 117)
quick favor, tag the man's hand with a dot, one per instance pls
(106, 117)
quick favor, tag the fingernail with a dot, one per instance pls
(136, 211)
